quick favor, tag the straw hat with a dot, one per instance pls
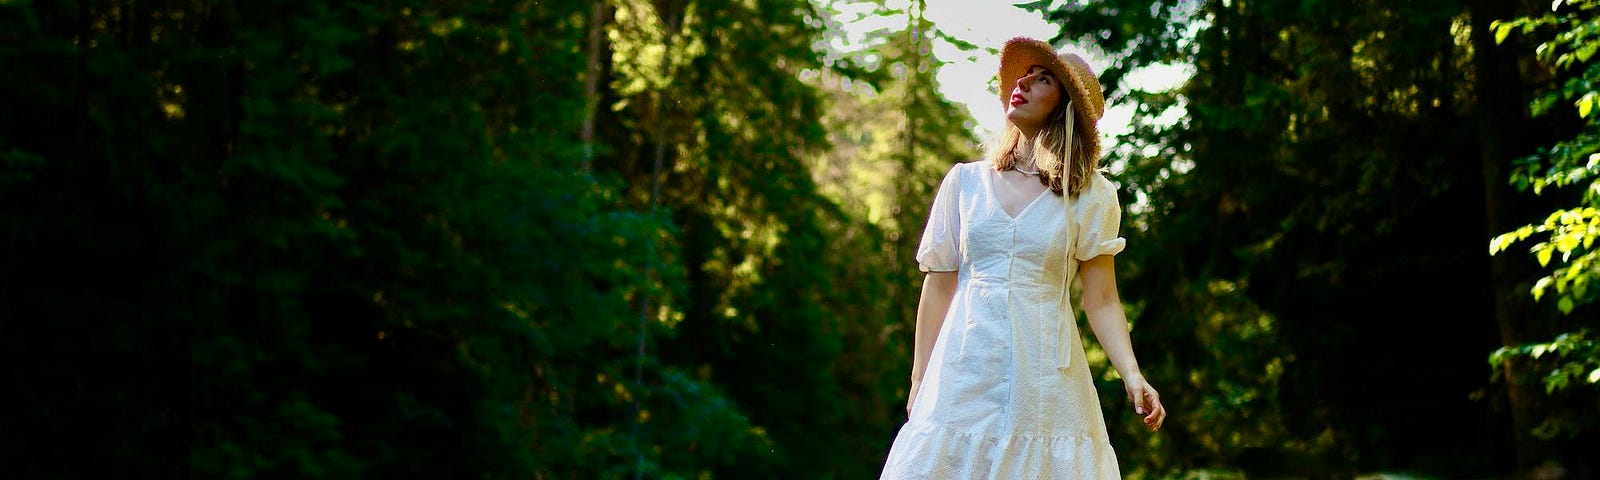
(1079, 81)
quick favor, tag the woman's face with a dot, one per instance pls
(1033, 98)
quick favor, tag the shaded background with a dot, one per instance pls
(673, 239)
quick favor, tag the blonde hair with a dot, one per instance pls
(1059, 151)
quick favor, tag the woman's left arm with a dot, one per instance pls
(1103, 306)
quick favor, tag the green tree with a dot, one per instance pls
(315, 241)
(1567, 364)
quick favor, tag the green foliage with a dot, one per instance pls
(1571, 368)
(1576, 352)
(1564, 243)
(330, 241)
(1569, 165)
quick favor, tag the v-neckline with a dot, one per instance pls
(992, 177)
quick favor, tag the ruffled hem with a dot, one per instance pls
(925, 451)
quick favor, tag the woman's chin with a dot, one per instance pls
(1019, 120)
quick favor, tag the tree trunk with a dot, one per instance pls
(591, 77)
(1503, 126)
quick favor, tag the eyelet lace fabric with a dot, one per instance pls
(1007, 394)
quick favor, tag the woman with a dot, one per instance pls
(1000, 388)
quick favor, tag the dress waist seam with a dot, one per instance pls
(1009, 281)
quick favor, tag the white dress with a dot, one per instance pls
(1007, 393)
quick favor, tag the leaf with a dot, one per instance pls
(1036, 5)
(1555, 382)
(1500, 242)
(1498, 358)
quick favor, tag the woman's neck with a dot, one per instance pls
(1024, 151)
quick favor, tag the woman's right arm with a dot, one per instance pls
(938, 289)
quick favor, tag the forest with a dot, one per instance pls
(674, 239)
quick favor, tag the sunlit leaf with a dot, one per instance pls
(1587, 51)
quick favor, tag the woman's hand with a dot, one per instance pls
(1145, 401)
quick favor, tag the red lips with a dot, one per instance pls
(1016, 99)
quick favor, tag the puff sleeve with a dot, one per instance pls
(1099, 215)
(940, 246)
